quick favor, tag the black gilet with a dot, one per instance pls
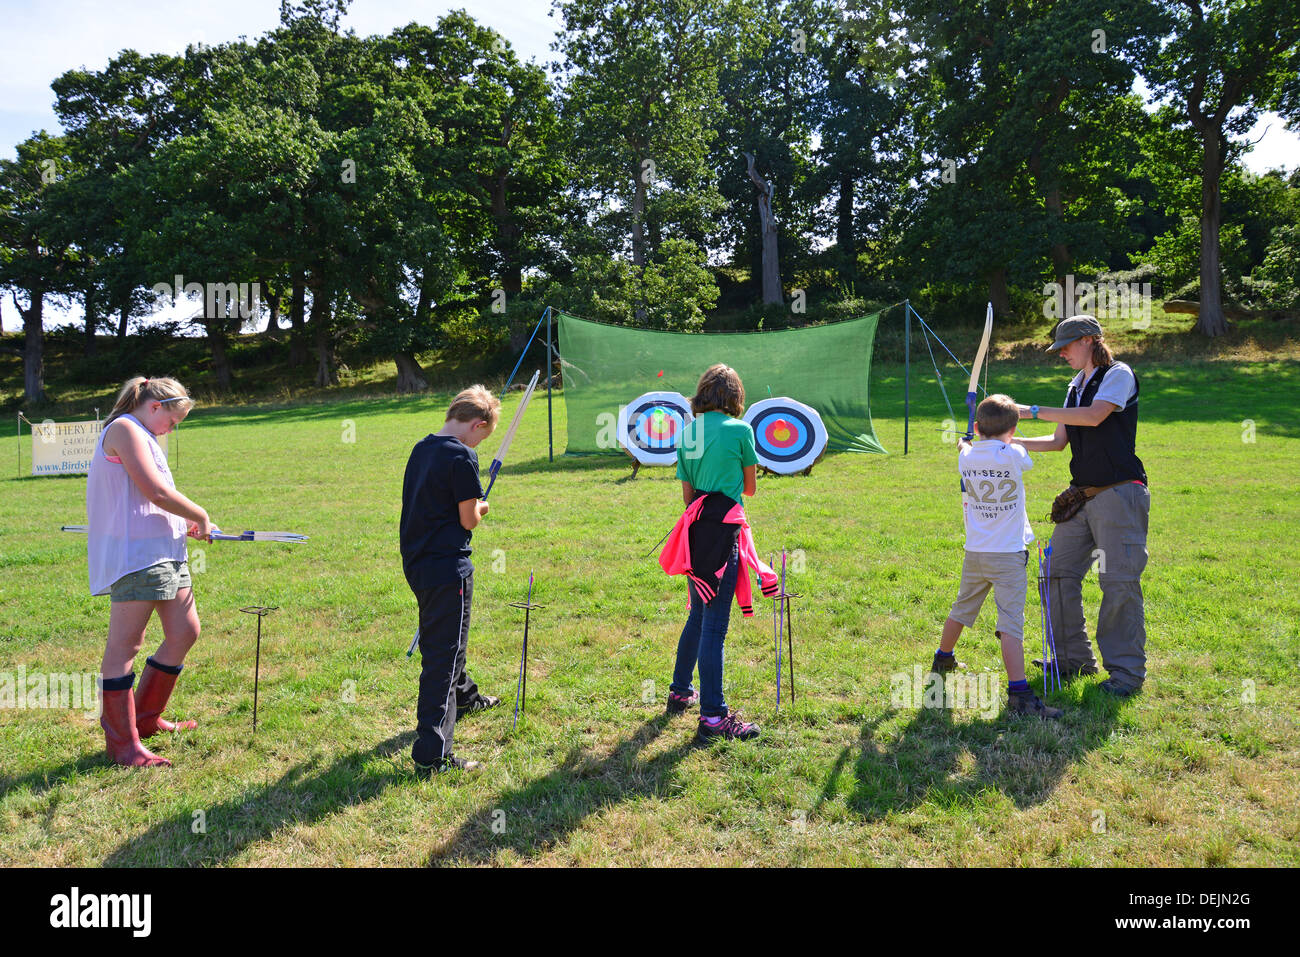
(1107, 453)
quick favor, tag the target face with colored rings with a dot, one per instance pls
(650, 426)
(788, 435)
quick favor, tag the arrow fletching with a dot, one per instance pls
(251, 536)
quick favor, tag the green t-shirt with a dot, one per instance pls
(714, 450)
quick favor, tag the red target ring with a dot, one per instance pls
(650, 426)
(781, 434)
(788, 435)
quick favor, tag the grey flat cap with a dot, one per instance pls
(1076, 327)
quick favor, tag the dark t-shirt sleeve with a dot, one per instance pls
(435, 547)
(464, 477)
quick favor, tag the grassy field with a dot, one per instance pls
(1200, 769)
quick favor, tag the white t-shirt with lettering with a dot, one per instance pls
(996, 519)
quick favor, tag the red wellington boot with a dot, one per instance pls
(123, 741)
(150, 700)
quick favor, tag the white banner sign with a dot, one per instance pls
(66, 448)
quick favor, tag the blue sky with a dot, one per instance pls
(43, 38)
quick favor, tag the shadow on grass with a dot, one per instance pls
(305, 793)
(937, 761)
(47, 779)
(541, 813)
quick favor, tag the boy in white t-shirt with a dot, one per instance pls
(997, 539)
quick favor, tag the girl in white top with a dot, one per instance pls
(136, 552)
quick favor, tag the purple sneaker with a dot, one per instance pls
(732, 726)
(678, 703)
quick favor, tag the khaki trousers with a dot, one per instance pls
(1110, 530)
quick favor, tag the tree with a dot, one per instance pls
(867, 135)
(641, 87)
(1223, 63)
(1010, 100)
(34, 258)
(769, 78)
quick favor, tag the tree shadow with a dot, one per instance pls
(936, 760)
(305, 793)
(538, 815)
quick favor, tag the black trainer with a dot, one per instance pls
(481, 703)
(731, 726)
(1026, 702)
(677, 704)
(449, 763)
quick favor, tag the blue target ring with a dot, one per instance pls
(650, 427)
(658, 428)
(788, 435)
(766, 423)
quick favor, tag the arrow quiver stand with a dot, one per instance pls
(521, 686)
(261, 611)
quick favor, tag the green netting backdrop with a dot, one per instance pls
(827, 367)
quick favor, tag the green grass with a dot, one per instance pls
(1190, 773)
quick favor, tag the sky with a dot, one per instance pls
(41, 39)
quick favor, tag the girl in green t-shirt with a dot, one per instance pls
(716, 455)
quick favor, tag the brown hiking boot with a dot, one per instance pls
(1030, 703)
(945, 664)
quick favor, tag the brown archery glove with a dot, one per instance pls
(1066, 505)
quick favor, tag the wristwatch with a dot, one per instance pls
(1033, 410)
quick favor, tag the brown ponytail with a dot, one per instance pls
(1101, 354)
(139, 390)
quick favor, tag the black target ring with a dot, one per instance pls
(777, 419)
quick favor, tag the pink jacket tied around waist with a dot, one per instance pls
(675, 559)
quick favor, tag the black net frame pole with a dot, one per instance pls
(550, 371)
(907, 367)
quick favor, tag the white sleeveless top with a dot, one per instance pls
(127, 531)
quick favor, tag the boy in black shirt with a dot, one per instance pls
(440, 508)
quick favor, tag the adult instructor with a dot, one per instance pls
(1109, 485)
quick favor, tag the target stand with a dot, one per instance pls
(783, 627)
(789, 436)
(521, 686)
(261, 611)
(650, 428)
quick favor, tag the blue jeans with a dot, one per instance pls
(702, 640)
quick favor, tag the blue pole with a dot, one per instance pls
(545, 315)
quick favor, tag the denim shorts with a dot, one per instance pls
(158, 582)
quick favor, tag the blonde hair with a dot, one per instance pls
(139, 390)
(719, 390)
(997, 415)
(473, 404)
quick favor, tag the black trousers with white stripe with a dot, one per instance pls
(444, 685)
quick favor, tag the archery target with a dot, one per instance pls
(788, 435)
(650, 427)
